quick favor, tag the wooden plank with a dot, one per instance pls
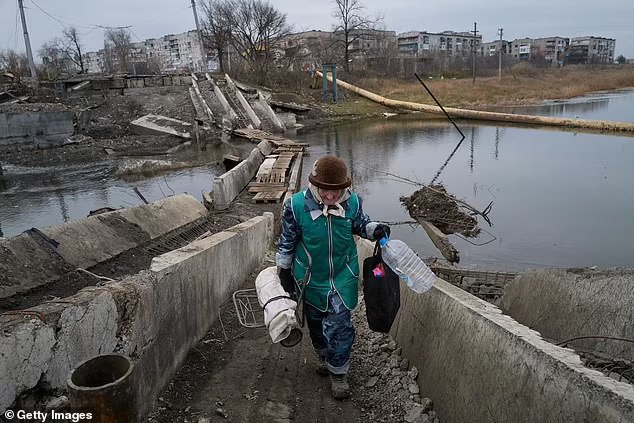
(265, 184)
(231, 157)
(268, 188)
(269, 197)
(441, 241)
(266, 166)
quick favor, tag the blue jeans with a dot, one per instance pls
(331, 333)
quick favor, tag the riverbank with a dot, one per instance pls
(109, 126)
(522, 85)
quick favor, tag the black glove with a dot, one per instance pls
(287, 280)
(381, 231)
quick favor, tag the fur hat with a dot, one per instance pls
(330, 172)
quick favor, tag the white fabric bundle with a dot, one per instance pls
(279, 314)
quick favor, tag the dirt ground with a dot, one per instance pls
(108, 127)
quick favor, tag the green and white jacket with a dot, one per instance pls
(320, 247)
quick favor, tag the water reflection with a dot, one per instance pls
(617, 106)
(560, 198)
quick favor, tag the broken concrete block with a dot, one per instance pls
(160, 125)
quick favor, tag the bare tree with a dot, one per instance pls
(353, 23)
(256, 28)
(71, 46)
(118, 46)
(52, 58)
(50, 54)
(387, 51)
(217, 27)
(14, 62)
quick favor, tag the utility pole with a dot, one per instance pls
(27, 42)
(475, 31)
(500, 55)
(200, 38)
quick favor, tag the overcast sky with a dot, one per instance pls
(153, 18)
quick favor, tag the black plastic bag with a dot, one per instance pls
(382, 292)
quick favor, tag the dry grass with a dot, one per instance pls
(521, 85)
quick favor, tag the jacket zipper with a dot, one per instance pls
(330, 263)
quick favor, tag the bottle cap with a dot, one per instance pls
(383, 241)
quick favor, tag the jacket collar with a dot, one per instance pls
(315, 208)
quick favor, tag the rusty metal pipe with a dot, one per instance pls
(104, 386)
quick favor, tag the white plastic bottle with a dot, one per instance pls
(407, 265)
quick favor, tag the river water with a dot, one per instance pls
(561, 198)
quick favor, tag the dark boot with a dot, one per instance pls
(321, 369)
(339, 386)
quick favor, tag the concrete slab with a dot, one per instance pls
(563, 304)
(228, 185)
(160, 125)
(86, 242)
(28, 261)
(135, 83)
(25, 350)
(83, 331)
(35, 129)
(165, 215)
(154, 81)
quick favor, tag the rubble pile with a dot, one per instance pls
(386, 382)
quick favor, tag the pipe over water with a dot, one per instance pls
(597, 125)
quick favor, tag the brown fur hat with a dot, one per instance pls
(330, 172)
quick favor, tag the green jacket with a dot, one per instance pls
(327, 250)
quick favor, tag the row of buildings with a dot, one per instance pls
(170, 53)
(182, 52)
(555, 50)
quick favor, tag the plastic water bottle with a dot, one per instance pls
(407, 265)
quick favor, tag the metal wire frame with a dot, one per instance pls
(250, 313)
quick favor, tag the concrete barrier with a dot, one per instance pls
(35, 129)
(562, 304)
(86, 242)
(229, 185)
(482, 366)
(28, 261)
(160, 125)
(277, 123)
(244, 103)
(154, 317)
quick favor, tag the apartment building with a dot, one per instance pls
(94, 61)
(425, 44)
(551, 50)
(168, 54)
(176, 52)
(493, 48)
(590, 49)
(369, 42)
(521, 49)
